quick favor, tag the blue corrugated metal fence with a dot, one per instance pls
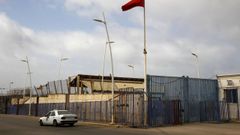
(198, 100)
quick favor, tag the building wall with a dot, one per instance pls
(223, 84)
(223, 81)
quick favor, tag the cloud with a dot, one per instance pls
(92, 7)
(210, 28)
(44, 49)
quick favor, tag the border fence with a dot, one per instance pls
(171, 101)
(128, 108)
(176, 100)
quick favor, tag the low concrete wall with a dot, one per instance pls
(61, 98)
(92, 97)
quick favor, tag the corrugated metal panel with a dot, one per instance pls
(202, 89)
(167, 88)
(195, 95)
(184, 88)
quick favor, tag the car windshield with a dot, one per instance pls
(63, 112)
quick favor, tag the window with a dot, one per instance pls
(53, 114)
(231, 95)
(48, 114)
(63, 112)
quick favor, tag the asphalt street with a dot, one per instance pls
(24, 125)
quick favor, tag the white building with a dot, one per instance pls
(229, 86)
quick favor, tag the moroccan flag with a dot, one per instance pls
(133, 3)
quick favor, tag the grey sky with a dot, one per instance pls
(48, 29)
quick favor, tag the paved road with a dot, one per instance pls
(23, 125)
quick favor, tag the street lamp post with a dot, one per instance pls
(60, 65)
(104, 59)
(197, 64)
(110, 50)
(132, 67)
(103, 67)
(30, 79)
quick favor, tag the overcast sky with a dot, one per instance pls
(46, 30)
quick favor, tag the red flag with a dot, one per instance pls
(133, 3)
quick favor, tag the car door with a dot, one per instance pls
(51, 118)
(45, 118)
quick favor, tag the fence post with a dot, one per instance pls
(85, 110)
(95, 111)
(186, 99)
(218, 103)
(36, 107)
(6, 105)
(48, 88)
(61, 86)
(17, 111)
(149, 106)
(106, 110)
(69, 85)
(143, 106)
(67, 100)
(67, 97)
(78, 81)
(133, 109)
(100, 119)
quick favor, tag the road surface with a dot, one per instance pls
(23, 125)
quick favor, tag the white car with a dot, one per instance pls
(58, 117)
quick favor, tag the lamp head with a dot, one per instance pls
(98, 20)
(194, 54)
(131, 66)
(63, 59)
(24, 61)
(111, 42)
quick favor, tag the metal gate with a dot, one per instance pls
(129, 107)
(164, 112)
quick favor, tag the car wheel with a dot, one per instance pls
(71, 124)
(55, 124)
(41, 123)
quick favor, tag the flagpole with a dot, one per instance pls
(145, 52)
(145, 62)
(131, 4)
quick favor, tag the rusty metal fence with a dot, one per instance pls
(128, 109)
